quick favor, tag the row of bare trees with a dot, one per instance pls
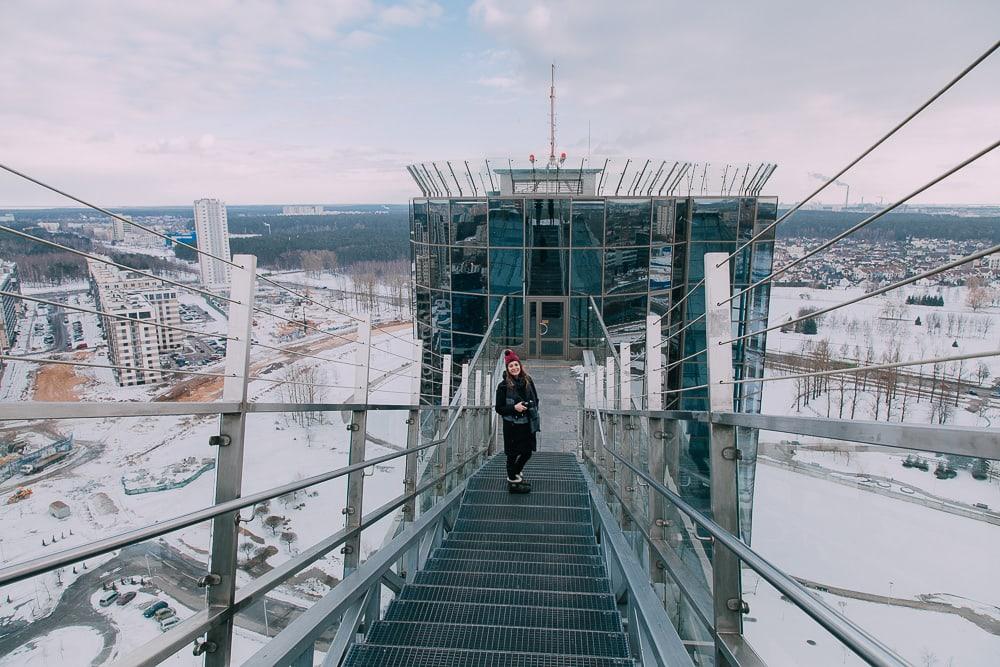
(881, 394)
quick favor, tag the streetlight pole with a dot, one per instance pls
(267, 629)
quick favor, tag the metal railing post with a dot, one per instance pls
(413, 439)
(464, 424)
(729, 606)
(358, 429)
(442, 449)
(220, 581)
(657, 449)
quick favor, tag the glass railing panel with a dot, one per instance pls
(855, 522)
(95, 609)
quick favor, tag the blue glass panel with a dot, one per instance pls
(468, 223)
(506, 271)
(626, 270)
(468, 269)
(548, 223)
(511, 322)
(683, 220)
(440, 268)
(714, 219)
(506, 222)
(625, 313)
(548, 271)
(660, 267)
(664, 220)
(422, 264)
(628, 222)
(418, 221)
(587, 268)
(468, 313)
(437, 220)
(588, 223)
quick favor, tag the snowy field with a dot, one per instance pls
(856, 540)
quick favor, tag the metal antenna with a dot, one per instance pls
(552, 119)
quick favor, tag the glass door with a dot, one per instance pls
(546, 334)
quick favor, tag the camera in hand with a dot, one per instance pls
(528, 403)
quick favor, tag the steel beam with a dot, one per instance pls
(221, 575)
(726, 587)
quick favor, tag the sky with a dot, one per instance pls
(266, 102)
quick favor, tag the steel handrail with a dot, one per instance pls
(846, 631)
(166, 645)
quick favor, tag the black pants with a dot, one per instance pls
(515, 464)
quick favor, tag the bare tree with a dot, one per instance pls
(289, 538)
(274, 522)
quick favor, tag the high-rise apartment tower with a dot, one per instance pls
(212, 229)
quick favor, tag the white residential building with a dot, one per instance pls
(212, 228)
(137, 342)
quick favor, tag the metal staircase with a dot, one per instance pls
(518, 581)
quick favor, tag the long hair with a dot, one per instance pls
(524, 373)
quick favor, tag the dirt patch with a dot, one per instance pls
(55, 382)
(103, 504)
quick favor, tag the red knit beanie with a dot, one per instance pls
(509, 356)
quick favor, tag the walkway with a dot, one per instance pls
(560, 393)
(519, 581)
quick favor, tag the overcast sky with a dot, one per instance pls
(259, 101)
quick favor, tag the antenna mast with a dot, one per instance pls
(552, 119)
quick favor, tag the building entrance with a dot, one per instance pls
(547, 327)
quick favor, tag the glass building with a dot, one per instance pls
(627, 240)
(551, 239)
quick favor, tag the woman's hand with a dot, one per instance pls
(521, 407)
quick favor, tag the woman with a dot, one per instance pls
(517, 403)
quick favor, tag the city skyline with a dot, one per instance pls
(318, 103)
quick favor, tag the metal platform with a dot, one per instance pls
(519, 581)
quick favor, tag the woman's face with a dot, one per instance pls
(514, 368)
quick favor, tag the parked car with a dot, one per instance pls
(155, 607)
(107, 597)
(125, 598)
(168, 623)
(166, 612)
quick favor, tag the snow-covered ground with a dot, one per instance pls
(852, 539)
(72, 646)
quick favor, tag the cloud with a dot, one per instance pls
(197, 145)
(501, 82)
(410, 14)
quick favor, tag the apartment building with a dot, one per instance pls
(138, 342)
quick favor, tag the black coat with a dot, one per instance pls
(518, 434)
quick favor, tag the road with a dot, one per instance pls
(174, 573)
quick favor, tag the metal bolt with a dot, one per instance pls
(662, 523)
(210, 579)
(201, 647)
(736, 604)
(732, 454)
(353, 427)
(347, 549)
(219, 440)
(347, 510)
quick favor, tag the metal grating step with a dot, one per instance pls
(504, 615)
(546, 498)
(508, 554)
(555, 540)
(438, 564)
(562, 599)
(514, 581)
(531, 513)
(495, 638)
(366, 655)
(500, 527)
(491, 483)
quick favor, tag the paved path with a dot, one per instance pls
(559, 392)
